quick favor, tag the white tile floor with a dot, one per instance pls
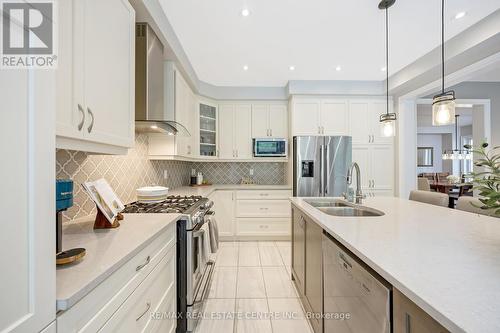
(252, 291)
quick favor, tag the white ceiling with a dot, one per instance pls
(315, 36)
(424, 116)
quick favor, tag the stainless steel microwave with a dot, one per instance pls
(270, 147)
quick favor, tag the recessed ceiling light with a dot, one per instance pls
(245, 68)
(383, 69)
(245, 12)
(292, 68)
(459, 15)
(338, 68)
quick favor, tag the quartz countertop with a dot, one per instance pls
(446, 261)
(205, 191)
(106, 251)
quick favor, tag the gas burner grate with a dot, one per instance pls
(172, 204)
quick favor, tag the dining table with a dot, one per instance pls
(445, 187)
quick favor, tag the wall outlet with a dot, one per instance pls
(251, 171)
(165, 174)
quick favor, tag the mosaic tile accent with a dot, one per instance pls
(127, 173)
(233, 172)
(123, 173)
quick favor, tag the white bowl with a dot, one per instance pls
(152, 191)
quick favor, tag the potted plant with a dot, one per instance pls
(487, 181)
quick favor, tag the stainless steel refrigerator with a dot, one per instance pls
(320, 165)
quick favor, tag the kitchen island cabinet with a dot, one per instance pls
(307, 267)
(442, 263)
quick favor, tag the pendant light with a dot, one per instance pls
(443, 105)
(457, 154)
(387, 120)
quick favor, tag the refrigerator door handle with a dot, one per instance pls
(327, 186)
(322, 170)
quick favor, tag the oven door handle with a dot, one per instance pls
(207, 281)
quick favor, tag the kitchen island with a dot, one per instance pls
(445, 261)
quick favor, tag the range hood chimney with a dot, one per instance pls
(152, 114)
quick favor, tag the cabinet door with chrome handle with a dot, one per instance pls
(91, 126)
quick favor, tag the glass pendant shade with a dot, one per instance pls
(443, 110)
(388, 125)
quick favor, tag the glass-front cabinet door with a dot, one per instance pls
(208, 130)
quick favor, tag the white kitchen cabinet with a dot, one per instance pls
(364, 121)
(156, 294)
(242, 131)
(226, 131)
(252, 214)
(334, 117)
(360, 125)
(208, 129)
(269, 121)
(101, 75)
(27, 230)
(278, 121)
(361, 154)
(263, 213)
(235, 128)
(260, 121)
(306, 117)
(224, 211)
(376, 163)
(118, 301)
(185, 114)
(320, 117)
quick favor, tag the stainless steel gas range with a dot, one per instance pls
(194, 272)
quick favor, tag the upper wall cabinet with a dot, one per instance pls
(269, 121)
(95, 79)
(235, 128)
(221, 132)
(320, 117)
(185, 113)
(357, 117)
(208, 129)
(364, 124)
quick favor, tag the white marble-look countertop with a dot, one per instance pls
(444, 260)
(205, 191)
(106, 251)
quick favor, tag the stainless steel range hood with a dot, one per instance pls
(151, 113)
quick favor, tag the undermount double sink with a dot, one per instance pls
(336, 207)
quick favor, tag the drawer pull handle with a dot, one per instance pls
(264, 208)
(138, 268)
(264, 194)
(148, 306)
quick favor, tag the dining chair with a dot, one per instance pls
(469, 204)
(441, 176)
(423, 184)
(430, 176)
(433, 198)
(464, 190)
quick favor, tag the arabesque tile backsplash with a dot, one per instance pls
(127, 173)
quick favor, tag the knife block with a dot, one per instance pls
(101, 222)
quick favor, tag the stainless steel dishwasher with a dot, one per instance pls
(356, 299)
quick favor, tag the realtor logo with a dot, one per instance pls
(28, 34)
